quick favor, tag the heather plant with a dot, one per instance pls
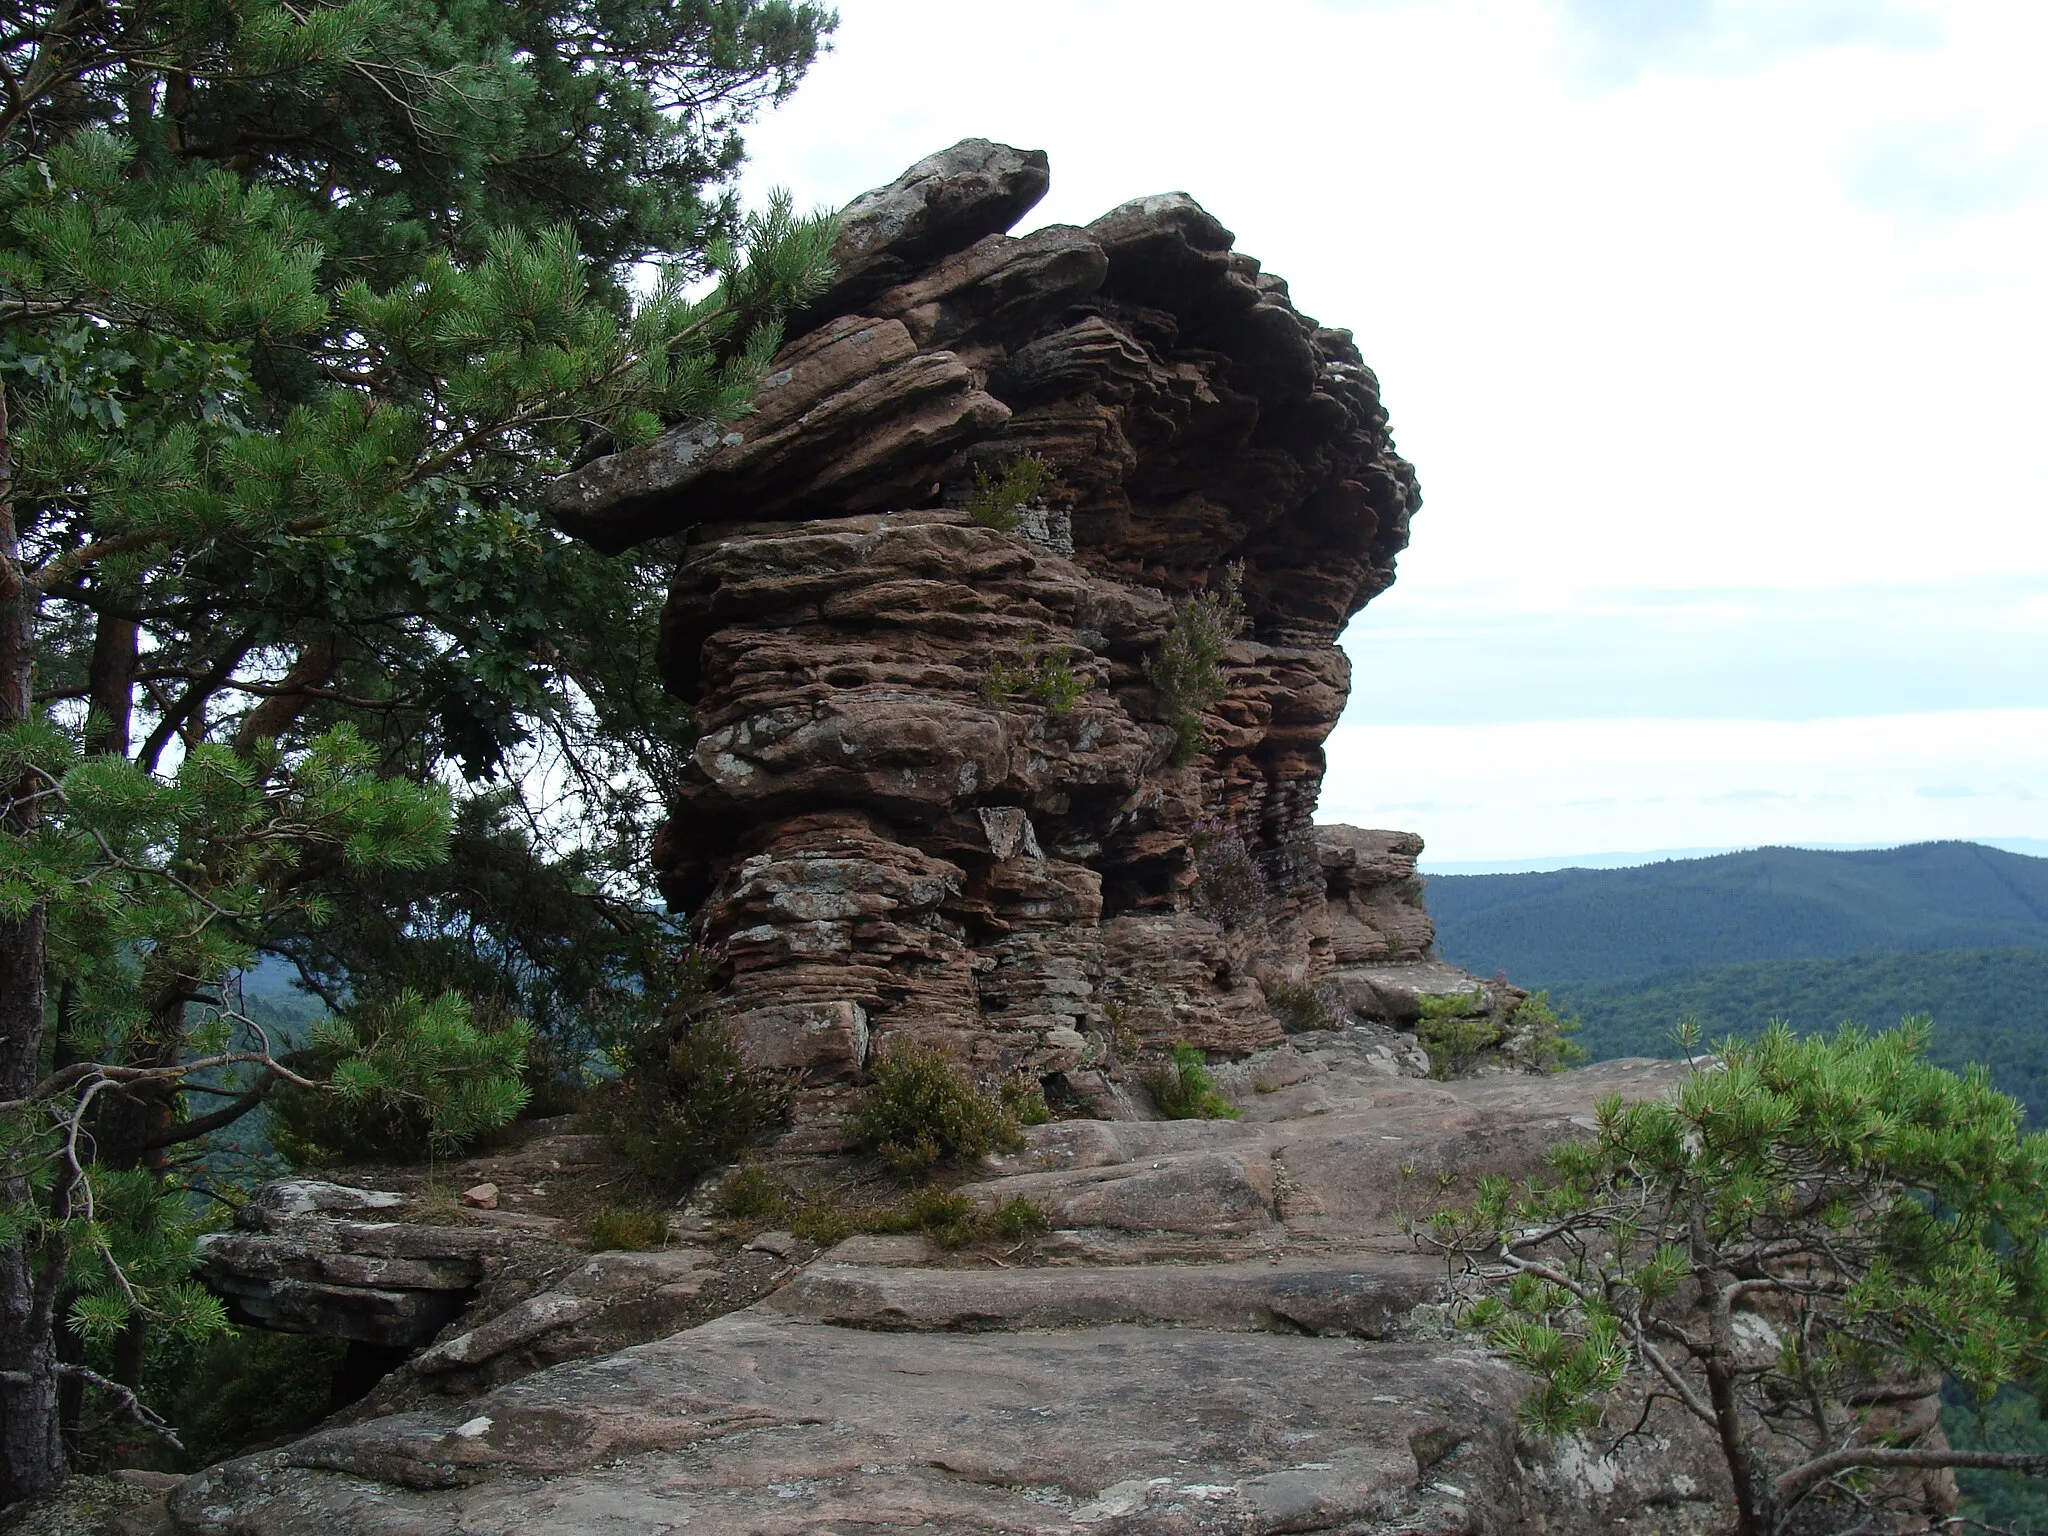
(998, 501)
(948, 1219)
(1187, 669)
(920, 1109)
(750, 1193)
(1811, 1232)
(1049, 680)
(1229, 885)
(1302, 1009)
(1024, 1100)
(1018, 1218)
(685, 1100)
(1181, 1086)
(627, 1228)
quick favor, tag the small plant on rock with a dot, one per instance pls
(1024, 1099)
(1229, 885)
(1302, 1010)
(1542, 1035)
(686, 1100)
(1019, 1218)
(750, 1193)
(1055, 684)
(1049, 680)
(1187, 670)
(920, 1109)
(948, 1219)
(997, 502)
(1183, 1089)
(1456, 1031)
(624, 1227)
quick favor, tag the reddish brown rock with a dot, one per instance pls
(934, 791)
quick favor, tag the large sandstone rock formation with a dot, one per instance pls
(878, 834)
(887, 831)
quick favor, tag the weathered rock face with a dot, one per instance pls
(311, 1257)
(901, 817)
(1227, 1334)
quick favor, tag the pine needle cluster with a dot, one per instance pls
(1882, 1222)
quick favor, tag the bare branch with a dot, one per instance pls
(1797, 1483)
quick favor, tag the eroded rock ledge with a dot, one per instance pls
(883, 829)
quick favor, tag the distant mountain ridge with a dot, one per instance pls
(1580, 925)
(1988, 1005)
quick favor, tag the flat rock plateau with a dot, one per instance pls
(936, 796)
(1228, 1331)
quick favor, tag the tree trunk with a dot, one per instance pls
(1753, 1515)
(31, 1449)
(275, 715)
(112, 683)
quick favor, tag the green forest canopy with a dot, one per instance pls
(1764, 904)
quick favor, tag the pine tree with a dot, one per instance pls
(298, 307)
(1812, 1232)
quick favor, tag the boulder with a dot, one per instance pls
(295, 1263)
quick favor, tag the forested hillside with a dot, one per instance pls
(1989, 1006)
(1955, 930)
(1766, 904)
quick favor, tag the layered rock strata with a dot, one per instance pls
(1228, 1333)
(313, 1257)
(935, 791)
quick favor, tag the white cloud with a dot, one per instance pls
(1530, 791)
(1750, 301)
(1421, 657)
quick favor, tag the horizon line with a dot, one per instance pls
(2025, 847)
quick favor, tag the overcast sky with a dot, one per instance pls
(1716, 329)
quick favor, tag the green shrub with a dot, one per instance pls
(1055, 684)
(920, 1109)
(1459, 1033)
(248, 1386)
(1025, 1102)
(1019, 1218)
(1229, 885)
(1187, 670)
(1183, 1089)
(826, 1222)
(948, 1219)
(751, 1193)
(408, 1078)
(1003, 682)
(1050, 680)
(996, 503)
(686, 1101)
(1303, 1010)
(626, 1227)
(1542, 1035)
(1456, 1033)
